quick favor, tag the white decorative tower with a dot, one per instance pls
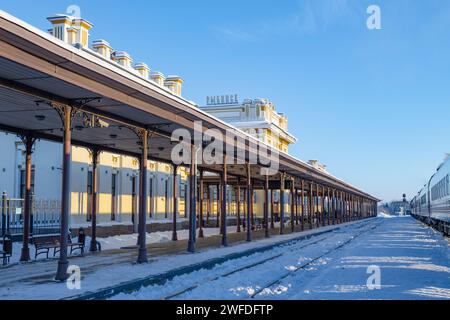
(70, 29)
(122, 58)
(102, 47)
(143, 69)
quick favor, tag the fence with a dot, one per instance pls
(44, 219)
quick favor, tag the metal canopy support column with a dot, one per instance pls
(193, 200)
(224, 202)
(95, 152)
(219, 204)
(375, 208)
(272, 220)
(337, 208)
(357, 204)
(317, 206)
(322, 204)
(338, 205)
(333, 205)
(359, 208)
(142, 255)
(311, 206)
(249, 205)
(282, 206)
(302, 199)
(292, 206)
(28, 140)
(329, 205)
(218, 207)
(238, 205)
(266, 206)
(208, 204)
(345, 207)
(66, 113)
(200, 199)
(175, 203)
(4, 208)
(252, 209)
(296, 206)
(351, 213)
(350, 209)
(350, 200)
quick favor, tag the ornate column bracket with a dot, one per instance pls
(94, 152)
(61, 108)
(28, 139)
(140, 134)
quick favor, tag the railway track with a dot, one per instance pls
(261, 262)
(303, 266)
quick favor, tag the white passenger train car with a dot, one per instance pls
(432, 203)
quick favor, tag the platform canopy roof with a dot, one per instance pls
(39, 71)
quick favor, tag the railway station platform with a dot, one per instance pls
(35, 280)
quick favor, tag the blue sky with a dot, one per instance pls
(372, 105)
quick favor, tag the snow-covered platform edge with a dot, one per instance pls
(259, 246)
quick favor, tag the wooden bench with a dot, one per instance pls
(73, 246)
(6, 252)
(259, 224)
(43, 244)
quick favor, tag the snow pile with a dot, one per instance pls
(385, 215)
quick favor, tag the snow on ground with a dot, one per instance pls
(34, 280)
(244, 280)
(414, 263)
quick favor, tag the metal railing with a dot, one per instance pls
(44, 218)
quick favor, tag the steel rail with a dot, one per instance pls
(250, 266)
(303, 266)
